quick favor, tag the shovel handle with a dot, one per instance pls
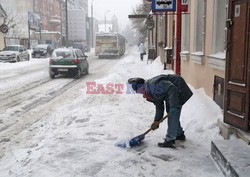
(158, 124)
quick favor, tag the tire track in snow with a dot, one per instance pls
(99, 66)
(9, 94)
(51, 95)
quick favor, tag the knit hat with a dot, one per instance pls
(136, 82)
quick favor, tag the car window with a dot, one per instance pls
(41, 46)
(11, 48)
(77, 46)
(63, 53)
(79, 54)
(21, 49)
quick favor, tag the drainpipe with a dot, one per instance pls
(178, 39)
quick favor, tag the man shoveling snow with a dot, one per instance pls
(171, 89)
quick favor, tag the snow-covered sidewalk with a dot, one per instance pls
(79, 136)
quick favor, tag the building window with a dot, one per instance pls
(199, 26)
(217, 59)
(219, 23)
(185, 32)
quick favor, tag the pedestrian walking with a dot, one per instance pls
(171, 89)
(141, 50)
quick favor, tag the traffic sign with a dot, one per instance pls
(163, 5)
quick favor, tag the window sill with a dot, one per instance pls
(184, 55)
(197, 57)
(217, 61)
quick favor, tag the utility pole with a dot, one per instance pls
(92, 24)
(61, 27)
(178, 39)
(66, 19)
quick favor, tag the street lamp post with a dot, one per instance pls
(105, 18)
(66, 19)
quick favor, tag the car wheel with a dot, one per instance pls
(87, 70)
(52, 74)
(18, 59)
(78, 73)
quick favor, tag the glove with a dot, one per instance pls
(155, 125)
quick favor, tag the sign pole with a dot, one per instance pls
(178, 39)
(29, 33)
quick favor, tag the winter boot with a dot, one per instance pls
(167, 144)
(181, 137)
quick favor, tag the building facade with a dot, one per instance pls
(77, 25)
(203, 41)
(50, 12)
(214, 52)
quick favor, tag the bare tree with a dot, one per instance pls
(139, 23)
(13, 21)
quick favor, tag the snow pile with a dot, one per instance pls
(78, 137)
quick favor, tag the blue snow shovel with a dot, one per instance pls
(138, 139)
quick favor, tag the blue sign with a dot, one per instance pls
(163, 5)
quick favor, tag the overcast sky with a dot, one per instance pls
(120, 8)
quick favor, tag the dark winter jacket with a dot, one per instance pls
(169, 88)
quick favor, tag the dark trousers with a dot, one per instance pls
(141, 55)
(174, 125)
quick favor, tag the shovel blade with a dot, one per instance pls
(136, 140)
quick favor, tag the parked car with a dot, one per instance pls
(67, 60)
(14, 53)
(81, 46)
(42, 50)
(86, 48)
